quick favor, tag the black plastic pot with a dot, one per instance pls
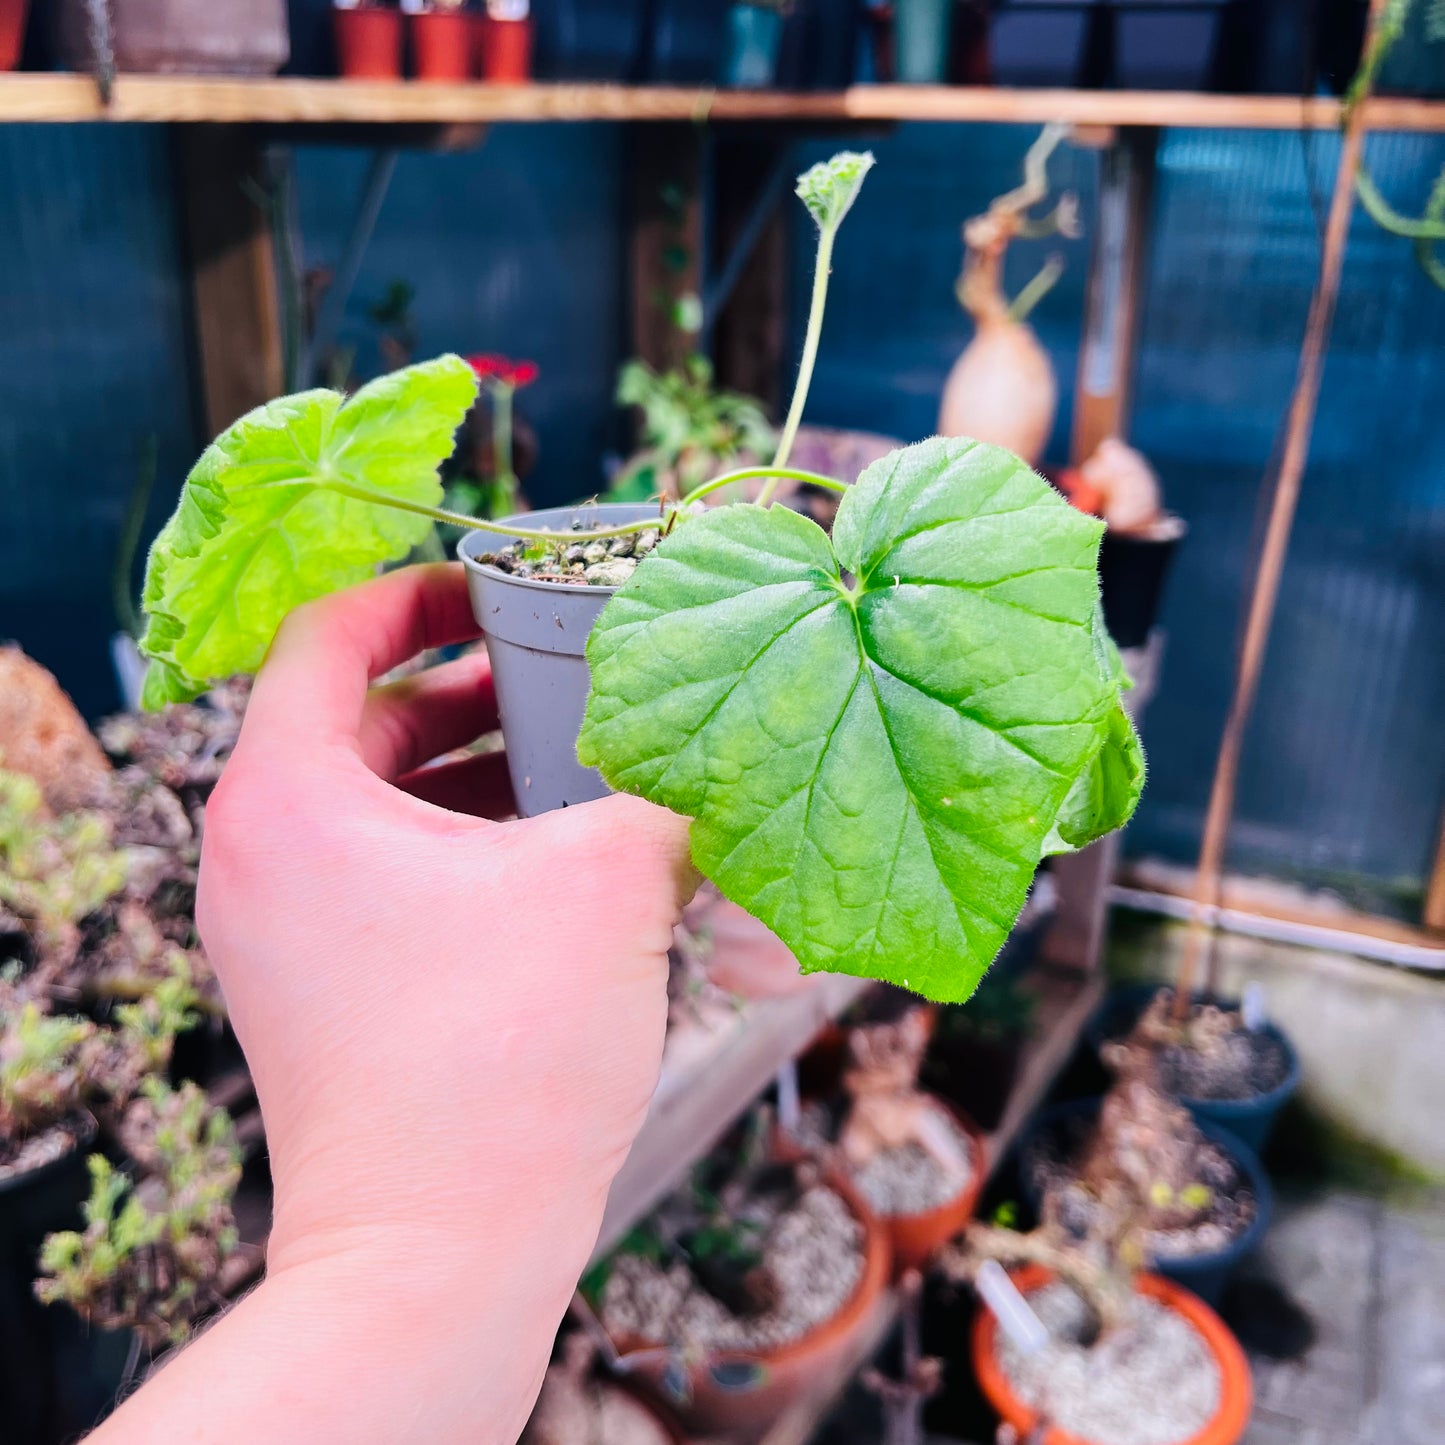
(590, 39)
(1206, 1274)
(1251, 1121)
(1167, 44)
(1132, 572)
(43, 1394)
(537, 640)
(1059, 43)
(687, 41)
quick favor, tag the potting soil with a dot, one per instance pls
(1240, 1065)
(1152, 1381)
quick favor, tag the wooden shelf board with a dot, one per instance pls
(159, 98)
(690, 1114)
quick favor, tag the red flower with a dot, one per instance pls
(491, 367)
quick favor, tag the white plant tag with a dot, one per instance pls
(1013, 1312)
(1252, 1007)
(788, 1106)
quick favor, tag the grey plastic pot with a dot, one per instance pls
(537, 638)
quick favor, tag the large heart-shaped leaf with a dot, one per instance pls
(875, 735)
(261, 526)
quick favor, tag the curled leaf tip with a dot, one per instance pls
(829, 188)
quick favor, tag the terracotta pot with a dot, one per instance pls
(368, 43)
(1236, 1393)
(441, 45)
(12, 31)
(504, 49)
(746, 957)
(732, 1391)
(916, 1238)
(821, 1067)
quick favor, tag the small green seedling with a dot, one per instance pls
(878, 733)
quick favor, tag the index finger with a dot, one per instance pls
(327, 653)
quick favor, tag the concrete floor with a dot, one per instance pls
(1370, 1274)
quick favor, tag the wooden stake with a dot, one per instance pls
(1265, 591)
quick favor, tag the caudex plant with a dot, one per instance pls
(878, 734)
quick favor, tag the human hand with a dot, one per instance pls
(454, 1024)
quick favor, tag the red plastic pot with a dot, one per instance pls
(916, 1238)
(12, 31)
(441, 45)
(732, 1392)
(1235, 1393)
(368, 43)
(504, 50)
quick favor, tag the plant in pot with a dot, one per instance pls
(1230, 1067)
(368, 39)
(441, 41)
(1119, 486)
(504, 41)
(1002, 388)
(1202, 1199)
(151, 1251)
(579, 1405)
(1114, 1356)
(690, 431)
(754, 36)
(973, 1059)
(743, 1287)
(878, 734)
(917, 1162)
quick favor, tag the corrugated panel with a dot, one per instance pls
(1344, 771)
(515, 247)
(93, 360)
(894, 326)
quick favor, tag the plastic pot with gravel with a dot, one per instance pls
(918, 1162)
(878, 733)
(744, 1288)
(1169, 1373)
(1227, 1066)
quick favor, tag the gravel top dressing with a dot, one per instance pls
(910, 1180)
(895, 1181)
(574, 561)
(1241, 1065)
(1154, 1382)
(814, 1252)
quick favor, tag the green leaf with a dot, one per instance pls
(1104, 795)
(874, 736)
(829, 188)
(261, 526)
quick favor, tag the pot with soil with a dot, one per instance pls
(368, 40)
(1201, 1199)
(1226, 1074)
(1170, 1374)
(537, 608)
(441, 42)
(43, 1183)
(737, 1296)
(918, 1162)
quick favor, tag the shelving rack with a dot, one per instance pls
(223, 129)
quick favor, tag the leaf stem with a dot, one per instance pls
(821, 272)
(792, 474)
(476, 524)
(505, 496)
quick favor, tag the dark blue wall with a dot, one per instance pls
(516, 247)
